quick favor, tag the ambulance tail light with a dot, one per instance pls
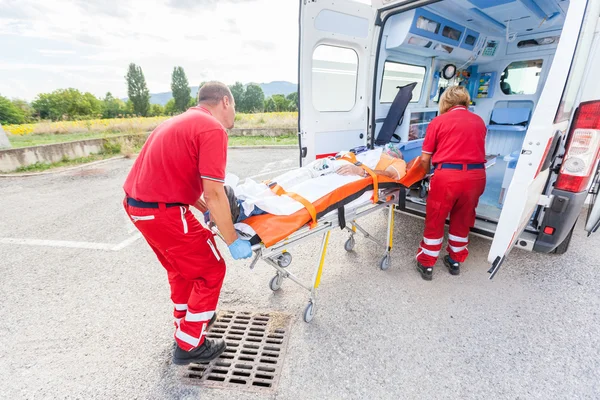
(583, 149)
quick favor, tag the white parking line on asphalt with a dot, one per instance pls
(71, 244)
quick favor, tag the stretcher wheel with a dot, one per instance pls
(275, 283)
(284, 260)
(385, 263)
(349, 245)
(309, 312)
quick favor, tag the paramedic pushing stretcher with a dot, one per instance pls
(183, 159)
(455, 142)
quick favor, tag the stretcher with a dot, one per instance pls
(272, 236)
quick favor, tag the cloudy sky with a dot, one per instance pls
(88, 44)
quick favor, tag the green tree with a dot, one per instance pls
(91, 105)
(192, 103)
(25, 107)
(67, 104)
(137, 91)
(170, 107)
(270, 105)
(254, 99)
(238, 91)
(112, 108)
(292, 99)
(180, 87)
(9, 113)
(281, 103)
(156, 110)
(44, 107)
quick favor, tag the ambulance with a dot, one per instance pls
(531, 67)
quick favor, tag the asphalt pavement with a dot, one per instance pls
(85, 310)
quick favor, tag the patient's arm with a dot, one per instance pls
(349, 170)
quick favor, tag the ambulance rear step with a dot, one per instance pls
(484, 229)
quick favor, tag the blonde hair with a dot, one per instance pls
(454, 96)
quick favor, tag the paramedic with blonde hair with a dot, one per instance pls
(455, 144)
(183, 159)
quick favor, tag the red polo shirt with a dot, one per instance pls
(457, 136)
(178, 154)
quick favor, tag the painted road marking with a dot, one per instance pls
(73, 245)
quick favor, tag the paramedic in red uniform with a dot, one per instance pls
(455, 144)
(183, 159)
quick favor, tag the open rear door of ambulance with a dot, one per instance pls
(333, 86)
(533, 168)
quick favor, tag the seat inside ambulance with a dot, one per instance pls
(500, 50)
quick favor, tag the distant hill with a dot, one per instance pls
(277, 87)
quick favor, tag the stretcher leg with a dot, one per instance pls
(310, 309)
(367, 235)
(387, 258)
(351, 242)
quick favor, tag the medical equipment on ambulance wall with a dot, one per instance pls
(449, 71)
(486, 85)
(490, 48)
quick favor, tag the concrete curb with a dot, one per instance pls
(58, 171)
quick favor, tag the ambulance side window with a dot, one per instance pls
(397, 74)
(334, 78)
(521, 77)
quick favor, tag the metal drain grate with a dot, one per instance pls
(256, 346)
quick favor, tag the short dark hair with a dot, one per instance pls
(212, 93)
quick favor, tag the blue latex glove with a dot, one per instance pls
(240, 249)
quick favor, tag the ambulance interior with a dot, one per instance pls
(501, 50)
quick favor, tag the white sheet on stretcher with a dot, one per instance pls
(362, 200)
(256, 194)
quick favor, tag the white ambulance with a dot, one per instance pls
(530, 66)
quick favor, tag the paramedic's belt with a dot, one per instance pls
(144, 204)
(460, 167)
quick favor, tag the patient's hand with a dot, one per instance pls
(350, 170)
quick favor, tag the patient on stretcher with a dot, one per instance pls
(385, 161)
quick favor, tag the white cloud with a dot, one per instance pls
(229, 40)
(55, 52)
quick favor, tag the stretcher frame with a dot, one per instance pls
(278, 257)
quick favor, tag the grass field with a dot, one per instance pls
(136, 125)
(40, 139)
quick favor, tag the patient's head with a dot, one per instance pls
(392, 151)
(454, 96)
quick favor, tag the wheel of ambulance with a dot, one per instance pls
(309, 312)
(284, 260)
(349, 245)
(275, 283)
(385, 263)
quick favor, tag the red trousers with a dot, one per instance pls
(453, 193)
(195, 267)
